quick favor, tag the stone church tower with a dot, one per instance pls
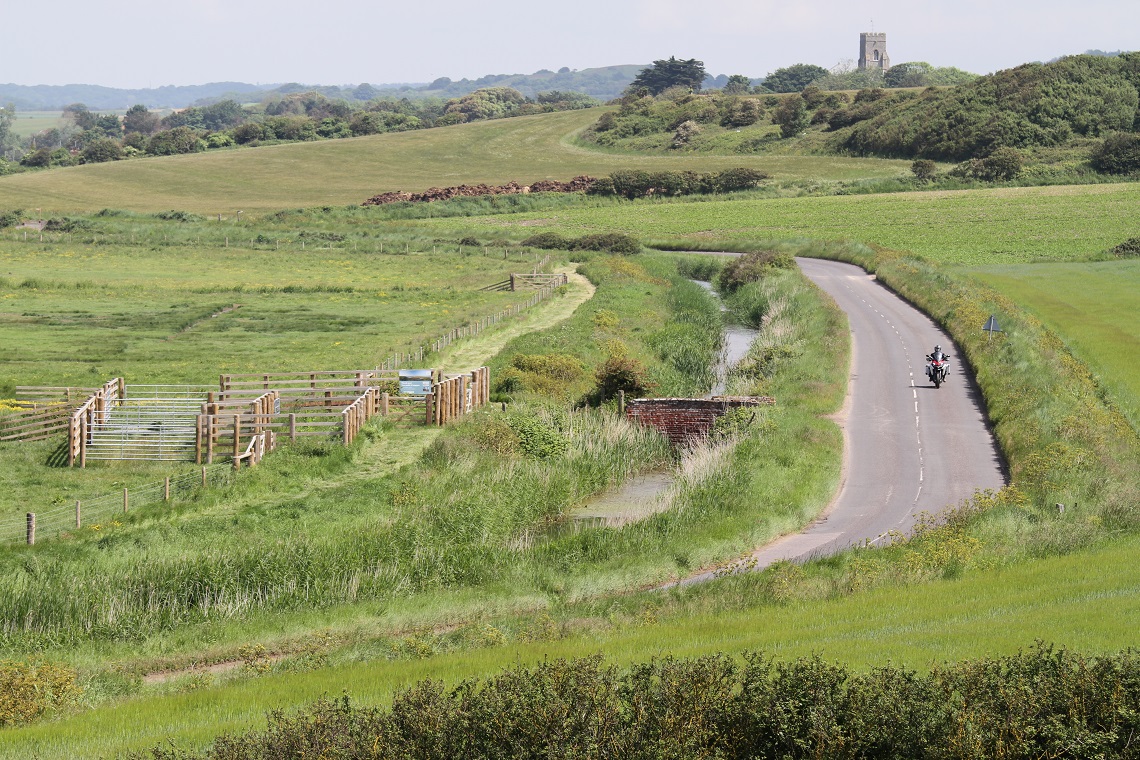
(873, 51)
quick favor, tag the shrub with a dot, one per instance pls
(537, 439)
(11, 218)
(1118, 154)
(686, 131)
(28, 690)
(557, 366)
(923, 169)
(1127, 249)
(175, 141)
(177, 216)
(66, 224)
(547, 241)
(102, 150)
(612, 242)
(622, 373)
(791, 117)
(1002, 164)
(732, 180)
(751, 267)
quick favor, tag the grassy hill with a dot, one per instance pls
(345, 172)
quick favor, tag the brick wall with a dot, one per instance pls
(686, 419)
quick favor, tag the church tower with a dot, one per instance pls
(873, 51)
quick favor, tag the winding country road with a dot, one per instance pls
(908, 447)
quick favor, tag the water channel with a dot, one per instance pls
(647, 494)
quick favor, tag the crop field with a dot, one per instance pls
(1094, 307)
(345, 172)
(1014, 225)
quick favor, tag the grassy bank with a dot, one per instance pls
(341, 172)
(1087, 602)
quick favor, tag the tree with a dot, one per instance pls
(103, 149)
(173, 141)
(139, 120)
(737, 84)
(913, 74)
(791, 116)
(80, 115)
(7, 138)
(794, 78)
(1118, 154)
(671, 73)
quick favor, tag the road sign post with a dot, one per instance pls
(991, 327)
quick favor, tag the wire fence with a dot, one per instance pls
(96, 513)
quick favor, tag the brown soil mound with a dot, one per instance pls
(576, 185)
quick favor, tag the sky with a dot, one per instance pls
(137, 44)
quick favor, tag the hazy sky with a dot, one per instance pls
(131, 43)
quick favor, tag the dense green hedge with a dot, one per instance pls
(1042, 703)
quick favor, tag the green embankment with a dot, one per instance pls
(1094, 307)
(346, 172)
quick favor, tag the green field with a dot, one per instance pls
(1015, 225)
(346, 172)
(1094, 307)
(76, 314)
(30, 122)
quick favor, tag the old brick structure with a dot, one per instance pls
(683, 420)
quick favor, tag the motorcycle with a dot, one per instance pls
(936, 370)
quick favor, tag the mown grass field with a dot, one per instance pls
(994, 226)
(1094, 307)
(31, 122)
(345, 172)
(1089, 602)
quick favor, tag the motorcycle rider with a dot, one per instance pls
(935, 355)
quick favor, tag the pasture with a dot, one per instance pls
(992, 226)
(346, 172)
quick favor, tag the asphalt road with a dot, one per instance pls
(908, 447)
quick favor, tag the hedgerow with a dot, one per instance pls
(1045, 702)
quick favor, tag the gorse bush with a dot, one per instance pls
(1031, 105)
(1038, 703)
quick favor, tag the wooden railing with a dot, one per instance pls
(457, 395)
(91, 412)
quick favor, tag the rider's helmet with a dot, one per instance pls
(938, 348)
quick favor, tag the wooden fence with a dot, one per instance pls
(457, 395)
(41, 412)
(82, 422)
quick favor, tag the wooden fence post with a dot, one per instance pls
(126, 501)
(211, 421)
(292, 427)
(237, 441)
(31, 528)
(78, 514)
(203, 477)
(166, 489)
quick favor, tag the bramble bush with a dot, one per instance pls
(1044, 702)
